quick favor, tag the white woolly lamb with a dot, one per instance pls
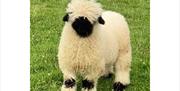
(92, 43)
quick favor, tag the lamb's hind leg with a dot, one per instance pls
(108, 71)
(122, 70)
(69, 83)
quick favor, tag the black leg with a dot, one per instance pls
(69, 83)
(118, 86)
(87, 84)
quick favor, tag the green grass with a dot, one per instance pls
(46, 26)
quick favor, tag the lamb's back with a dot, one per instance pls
(116, 28)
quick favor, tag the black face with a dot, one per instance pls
(82, 26)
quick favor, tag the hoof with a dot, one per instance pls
(119, 86)
(86, 84)
(70, 83)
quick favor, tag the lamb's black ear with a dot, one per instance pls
(66, 18)
(101, 20)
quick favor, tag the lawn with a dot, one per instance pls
(46, 27)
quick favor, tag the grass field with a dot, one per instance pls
(46, 26)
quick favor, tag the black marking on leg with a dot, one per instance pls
(87, 84)
(118, 86)
(69, 83)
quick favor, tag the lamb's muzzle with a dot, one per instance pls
(82, 26)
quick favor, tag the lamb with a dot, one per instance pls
(93, 43)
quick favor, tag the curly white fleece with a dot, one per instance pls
(108, 45)
(104, 46)
(90, 9)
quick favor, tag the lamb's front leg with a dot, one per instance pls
(69, 83)
(90, 80)
(89, 84)
(122, 70)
